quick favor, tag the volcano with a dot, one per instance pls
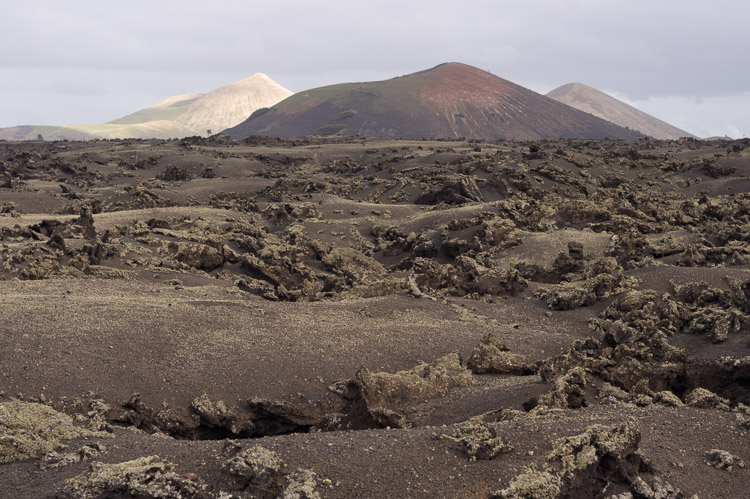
(216, 110)
(452, 100)
(174, 117)
(596, 102)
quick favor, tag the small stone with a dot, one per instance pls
(723, 460)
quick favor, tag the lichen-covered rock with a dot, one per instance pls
(41, 267)
(697, 293)
(218, 415)
(387, 418)
(588, 448)
(286, 213)
(458, 189)
(531, 484)
(600, 284)
(86, 223)
(611, 393)
(208, 411)
(706, 399)
(715, 323)
(492, 356)
(301, 485)
(496, 231)
(196, 255)
(723, 460)
(658, 489)
(54, 459)
(467, 277)
(280, 276)
(574, 458)
(568, 391)
(29, 430)
(256, 465)
(624, 495)
(352, 264)
(175, 173)
(423, 381)
(668, 399)
(570, 296)
(385, 395)
(479, 441)
(145, 477)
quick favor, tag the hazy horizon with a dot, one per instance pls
(88, 62)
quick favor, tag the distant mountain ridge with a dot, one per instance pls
(174, 117)
(222, 108)
(451, 100)
(597, 103)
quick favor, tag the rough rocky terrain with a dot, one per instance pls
(351, 317)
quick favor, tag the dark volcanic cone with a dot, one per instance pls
(449, 101)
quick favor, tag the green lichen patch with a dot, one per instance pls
(421, 383)
(744, 421)
(723, 460)
(571, 459)
(145, 477)
(531, 484)
(30, 430)
(259, 470)
(256, 465)
(54, 459)
(706, 399)
(588, 448)
(668, 399)
(479, 441)
(568, 391)
(492, 356)
(301, 485)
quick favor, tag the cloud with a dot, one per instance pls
(641, 49)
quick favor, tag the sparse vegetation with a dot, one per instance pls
(259, 112)
(344, 116)
(329, 129)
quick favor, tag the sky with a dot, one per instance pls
(83, 61)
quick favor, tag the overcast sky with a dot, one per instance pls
(82, 61)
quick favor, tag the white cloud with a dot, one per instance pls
(643, 49)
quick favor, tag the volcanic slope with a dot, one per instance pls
(222, 108)
(32, 132)
(174, 117)
(593, 101)
(451, 100)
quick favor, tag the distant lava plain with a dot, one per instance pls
(452, 100)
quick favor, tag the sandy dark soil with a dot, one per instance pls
(353, 317)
